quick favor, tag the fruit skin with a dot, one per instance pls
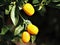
(28, 9)
(25, 37)
(32, 29)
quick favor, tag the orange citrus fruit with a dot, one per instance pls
(28, 9)
(32, 29)
(25, 37)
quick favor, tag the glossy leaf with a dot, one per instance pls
(40, 7)
(13, 18)
(27, 21)
(10, 7)
(18, 29)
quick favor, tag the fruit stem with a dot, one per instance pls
(22, 18)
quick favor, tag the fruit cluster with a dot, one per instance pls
(30, 28)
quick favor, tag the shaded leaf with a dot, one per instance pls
(47, 2)
(55, 0)
(35, 1)
(20, 34)
(15, 40)
(1, 16)
(14, 17)
(42, 11)
(4, 30)
(18, 29)
(54, 5)
(2, 2)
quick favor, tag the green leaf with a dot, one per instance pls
(1, 16)
(4, 30)
(58, 5)
(10, 7)
(20, 8)
(18, 29)
(26, 1)
(15, 39)
(55, 0)
(42, 11)
(40, 7)
(33, 37)
(54, 5)
(6, 11)
(14, 17)
(2, 2)
(35, 1)
(47, 2)
(27, 21)
(1, 5)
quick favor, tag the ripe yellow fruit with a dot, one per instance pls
(28, 9)
(25, 37)
(32, 29)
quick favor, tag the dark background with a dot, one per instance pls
(49, 26)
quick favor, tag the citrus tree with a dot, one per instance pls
(14, 23)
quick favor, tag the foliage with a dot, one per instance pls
(13, 19)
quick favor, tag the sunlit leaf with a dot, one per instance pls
(33, 37)
(58, 5)
(18, 29)
(10, 7)
(14, 17)
(27, 21)
(26, 1)
(20, 8)
(6, 11)
(40, 7)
